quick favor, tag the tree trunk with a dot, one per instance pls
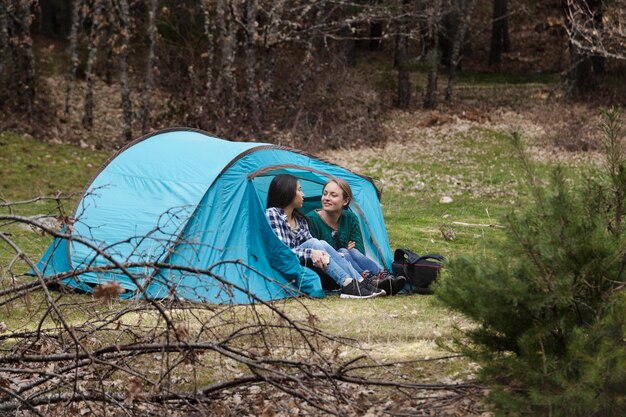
(466, 12)
(54, 18)
(308, 60)
(226, 78)
(376, 35)
(422, 27)
(150, 64)
(96, 12)
(220, 26)
(27, 51)
(499, 32)
(109, 43)
(209, 102)
(4, 37)
(71, 76)
(450, 23)
(46, 18)
(307, 66)
(404, 83)
(580, 76)
(506, 39)
(598, 62)
(585, 79)
(13, 42)
(124, 85)
(252, 91)
(270, 55)
(268, 85)
(432, 55)
(348, 45)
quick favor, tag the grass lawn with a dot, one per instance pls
(476, 167)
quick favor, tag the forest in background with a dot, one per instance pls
(310, 74)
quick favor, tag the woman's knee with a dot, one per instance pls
(345, 254)
(327, 246)
(314, 243)
(355, 252)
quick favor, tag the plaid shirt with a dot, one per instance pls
(292, 238)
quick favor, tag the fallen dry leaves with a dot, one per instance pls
(438, 138)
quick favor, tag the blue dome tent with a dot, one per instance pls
(179, 213)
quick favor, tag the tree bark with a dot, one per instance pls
(209, 101)
(4, 37)
(27, 51)
(465, 14)
(270, 40)
(499, 32)
(404, 83)
(598, 62)
(583, 72)
(376, 35)
(450, 23)
(252, 91)
(432, 55)
(46, 18)
(124, 84)
(109, 44)
(581, 76)
(220, 26)
(226, 78)
(422, 27)
(308, 60)
(13, 42)
(150, 64)
(348, 45)
(54, 18)
(96, 13)
(506, 39)
(307, 66)
(73, 53)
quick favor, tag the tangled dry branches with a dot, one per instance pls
(64, 353)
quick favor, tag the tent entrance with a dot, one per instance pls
(312, 182)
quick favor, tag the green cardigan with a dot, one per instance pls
(349, 230)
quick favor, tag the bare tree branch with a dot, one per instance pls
(95, 352)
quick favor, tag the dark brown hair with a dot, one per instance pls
(282, 191)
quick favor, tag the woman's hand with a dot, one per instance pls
(320, 258)
(351, 245)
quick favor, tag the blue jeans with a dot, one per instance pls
(359, 261)
(338, 268)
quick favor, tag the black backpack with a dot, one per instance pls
(420, 271)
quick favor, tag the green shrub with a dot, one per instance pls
(550, 311)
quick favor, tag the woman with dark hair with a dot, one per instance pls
(284, 201)
(339, 227)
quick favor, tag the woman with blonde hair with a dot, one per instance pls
(338, 226)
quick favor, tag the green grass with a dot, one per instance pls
(30, 168)
(483, 178)
(482, 173)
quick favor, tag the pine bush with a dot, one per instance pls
(550, 310)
